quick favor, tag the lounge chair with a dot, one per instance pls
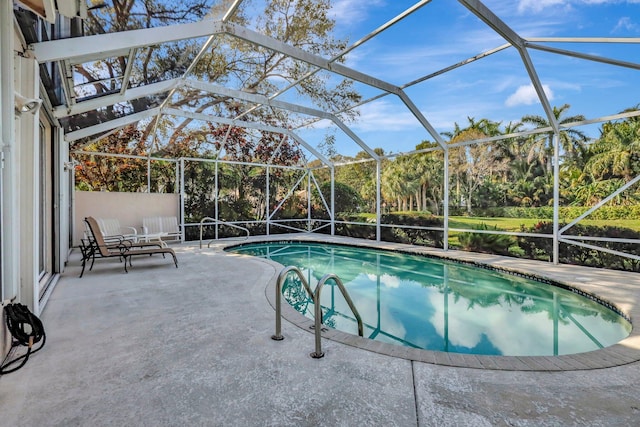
(160, 227)
(90, 250)
(111, 229)
(125, 249)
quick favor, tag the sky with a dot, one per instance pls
(497, 87)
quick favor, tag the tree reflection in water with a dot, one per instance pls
(443, 305)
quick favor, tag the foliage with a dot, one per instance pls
(347, 199)
(304, 24)
(432, 238)
(537, 248)
(484, 242)
(240, 190)
(112, 173)
(360, 175)
(472, 165)
(616, 154)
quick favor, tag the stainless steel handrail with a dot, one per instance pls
(217, 221)
(281, 277)
(315, 296)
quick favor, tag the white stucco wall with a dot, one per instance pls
(128, 208)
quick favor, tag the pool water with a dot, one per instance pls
(440, 305)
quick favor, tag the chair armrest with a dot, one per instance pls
(114, 239)
(133, 230)
(123, 249)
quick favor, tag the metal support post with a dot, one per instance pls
(556, 197)
(309, 200)
(217, 197)
(332, 215)
(267, 201)
(378, 194)
(445, 208)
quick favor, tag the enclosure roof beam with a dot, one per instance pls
(232, 10)
(492, 20)
(500, 27)
(304, 56)
(245, 124)
(128, 70)
(583, 39)
(105, 101)
(456, 65)
(205, 48)
(312, 150)
(255, 98)
(83, 46)
(105, 45)
(359, 42)
(111, 124)
(421, 118)
(223, 120)
(263, 100)
(76, 48)
(588, 57)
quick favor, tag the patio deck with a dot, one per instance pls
(162, 346)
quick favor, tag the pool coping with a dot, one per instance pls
(596, 283)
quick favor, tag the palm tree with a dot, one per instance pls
(616, 154)
(572, 141)
(392, 183)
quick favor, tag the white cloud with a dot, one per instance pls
(526, 95)
(537, 5)
(344, 11)
(466, 328)
(626, 24)
(384, 115)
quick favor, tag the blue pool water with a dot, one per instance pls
(441, 305)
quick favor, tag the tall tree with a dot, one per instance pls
(430, 171)
(473, 164)
(572, 141)
(616, 154)
(230, 61)
(107, 173)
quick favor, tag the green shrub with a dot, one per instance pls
(413, 236)
(347, 199)
(541, 248)
(487, 243)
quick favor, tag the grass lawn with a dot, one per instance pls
(513, 224)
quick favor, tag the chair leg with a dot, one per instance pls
(84, 261)
(86, 254)
(175, 260)
(93, 259)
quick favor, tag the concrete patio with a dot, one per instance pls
(162, 346)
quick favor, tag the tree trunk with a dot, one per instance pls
(424, 197)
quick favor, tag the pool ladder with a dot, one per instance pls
(315, 297)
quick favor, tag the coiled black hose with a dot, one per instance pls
(26, 329)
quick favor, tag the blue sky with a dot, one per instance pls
(443, 33)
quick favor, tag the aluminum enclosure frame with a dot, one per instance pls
(69, 51)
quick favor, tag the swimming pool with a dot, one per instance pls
(435, 304)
